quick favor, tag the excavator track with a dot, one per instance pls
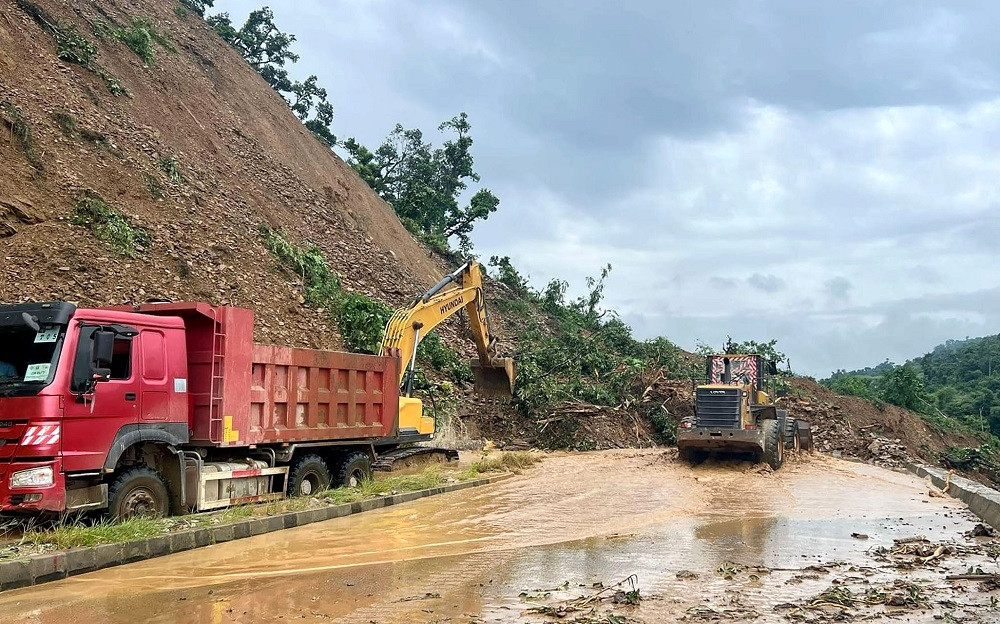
(390, 460)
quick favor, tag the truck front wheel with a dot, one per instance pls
(138, 492)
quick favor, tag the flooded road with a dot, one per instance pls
(743, 541)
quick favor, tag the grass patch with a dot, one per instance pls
(372, 488)
(20, 131)
(77, 535)
(154, 186)
(110, 226)
(170, 166)
(507, 461)
(141, 36)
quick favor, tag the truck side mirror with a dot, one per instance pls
(104, 348)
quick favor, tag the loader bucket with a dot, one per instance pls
(495, 379)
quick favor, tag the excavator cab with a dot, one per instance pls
(495, 379)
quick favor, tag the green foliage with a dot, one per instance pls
(154, 186)
(268, 50)
(113, 85)
(262, 44)
(310, 98)
(74, 47)
(509, 276)
(198, 6)
(423, 184)
(589, 355)
(957, 381)
(170, 166)
(855, 385)
(362, 322)
(433, 352)
(180, 11)
(20, 132)
(768, 350)
(110, 226)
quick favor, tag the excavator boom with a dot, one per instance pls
(494, 375)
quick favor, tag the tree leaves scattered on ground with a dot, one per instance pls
(424, 184)
(269, 51)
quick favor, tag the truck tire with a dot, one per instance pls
(774, 444)
(138, 492)
(309, 476)
(353, 469)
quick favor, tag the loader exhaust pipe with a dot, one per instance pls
(495, 378)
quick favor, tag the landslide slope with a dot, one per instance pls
(201, 153)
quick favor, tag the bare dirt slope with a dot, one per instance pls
(245, 159)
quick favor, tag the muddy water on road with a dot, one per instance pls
(577, 520)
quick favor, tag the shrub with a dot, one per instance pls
(110, 226)
(21, 132)
(170, 166)
(140, 37)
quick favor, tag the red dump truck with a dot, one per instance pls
(167, 408)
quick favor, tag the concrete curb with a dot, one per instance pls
(982, 501)
(53, 566)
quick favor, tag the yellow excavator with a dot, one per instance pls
(462, 289)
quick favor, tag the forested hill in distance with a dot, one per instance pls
(958, 380)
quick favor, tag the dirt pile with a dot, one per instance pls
(200, 154)
(886, 435)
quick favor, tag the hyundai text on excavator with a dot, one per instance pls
(734, 414)
(171, 407)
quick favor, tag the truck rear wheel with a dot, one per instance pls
(774, 444)
(138, 492)
(355, 468)
(309, 476)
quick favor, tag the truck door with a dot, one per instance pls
(155, 405)
(91, 426)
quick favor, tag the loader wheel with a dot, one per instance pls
(355, 468)
(774, 444)
(309, 476)
(805, 435)
(792, 440)
(138, 492)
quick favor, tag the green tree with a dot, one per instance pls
(310, 98)
(198, 6)
(423, 184)
(903, 387)
(262, 44)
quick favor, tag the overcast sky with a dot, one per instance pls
(824, 173)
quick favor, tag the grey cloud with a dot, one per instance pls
(767, 283)
(839, 288)
(851, 148)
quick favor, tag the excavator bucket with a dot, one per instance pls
(495, 379)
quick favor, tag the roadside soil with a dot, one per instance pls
(720, 541)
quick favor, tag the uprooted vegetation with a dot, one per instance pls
(576, 359)
(141, 36)
(110, 226)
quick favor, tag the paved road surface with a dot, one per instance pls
(545, 538)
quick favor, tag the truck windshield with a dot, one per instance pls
(28, 358)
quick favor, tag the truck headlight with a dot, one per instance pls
(33, 477)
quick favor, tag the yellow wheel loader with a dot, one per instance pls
(733, 414)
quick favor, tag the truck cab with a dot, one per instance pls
(78, 388)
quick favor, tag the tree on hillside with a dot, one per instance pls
(268, 50)
(423, 184)
(262, 44)
(198, 6)
(902, 386)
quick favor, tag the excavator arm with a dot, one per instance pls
(494, 375)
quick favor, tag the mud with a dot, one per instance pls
(742, 539)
